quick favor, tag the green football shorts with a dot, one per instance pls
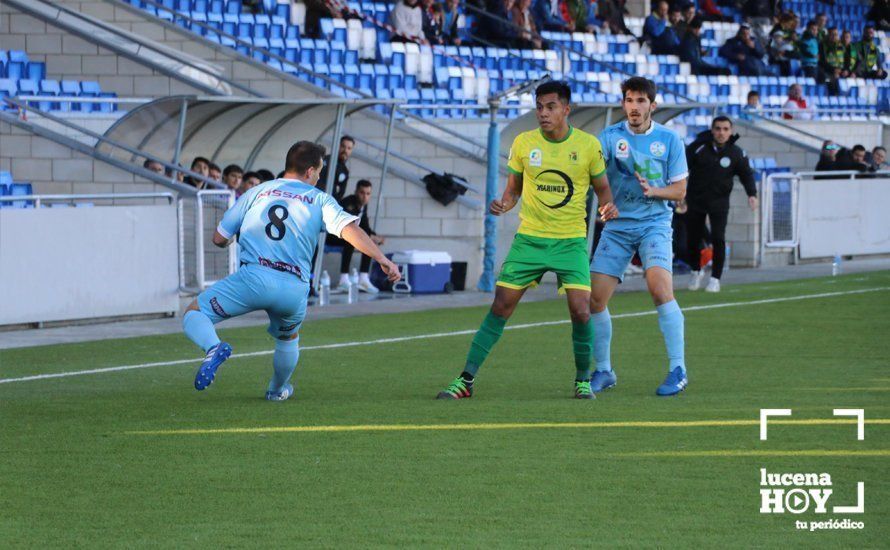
(531, 257)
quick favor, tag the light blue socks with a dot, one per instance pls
(199, 329)
(602, 340)
(670, 321)
(284, 361)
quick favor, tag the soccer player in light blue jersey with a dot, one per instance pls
(277, 224)
(646, 167)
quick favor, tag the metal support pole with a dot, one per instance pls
(385, 167)
(332, 173)
(487, 280)
(180, 132)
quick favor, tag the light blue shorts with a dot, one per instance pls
(253, 287)
(617, 244)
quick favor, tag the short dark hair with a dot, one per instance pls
(696, 23)
(753, 93)
(248, 175)
(347, 137)
(302, 156)
(231, 169)
(149, 162)
(214, 167)
(639, 84)
(265, 175)
(879, 148)
(362, 183)
(200, 159)
(558, 87)
(721, 118)
(858, 147)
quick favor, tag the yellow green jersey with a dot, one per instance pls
(555, 180)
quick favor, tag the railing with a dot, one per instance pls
(201, 262)
(38, 200)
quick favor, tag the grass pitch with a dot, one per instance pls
(364, 456)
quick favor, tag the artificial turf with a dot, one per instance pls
(87, 461)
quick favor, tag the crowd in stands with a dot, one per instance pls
(819, 49)
(836, 158)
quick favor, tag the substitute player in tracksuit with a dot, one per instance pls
(714, 160)
(277, 224)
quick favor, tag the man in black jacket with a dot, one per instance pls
(357, 205)
(714, 159)
(341, 178)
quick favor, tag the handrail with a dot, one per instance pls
(132, 150)
(130, 36)
(90, 196)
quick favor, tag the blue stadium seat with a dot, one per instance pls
(21, 190)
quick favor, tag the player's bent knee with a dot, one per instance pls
(580, 315)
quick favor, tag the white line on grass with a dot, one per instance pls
(438, 335)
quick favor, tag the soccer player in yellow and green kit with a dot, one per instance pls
(552, 168)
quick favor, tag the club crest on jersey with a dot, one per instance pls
(535, 157)
(724, 162)
(622, 149)
(573, 157)
(657, 148)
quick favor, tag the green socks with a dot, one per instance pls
(486, 337)
(582, 345)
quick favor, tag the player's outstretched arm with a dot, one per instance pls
(607, 209)
(356, 236)
(510, 197)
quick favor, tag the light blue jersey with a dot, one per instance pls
(658, 155)
(278, 223)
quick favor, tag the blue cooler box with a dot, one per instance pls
(423, 271)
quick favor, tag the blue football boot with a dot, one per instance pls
(675, 382)
(215, 357)
(602, 380)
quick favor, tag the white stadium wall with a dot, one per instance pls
(60, 264)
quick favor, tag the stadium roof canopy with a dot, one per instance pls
(251, 132)
(593, 118)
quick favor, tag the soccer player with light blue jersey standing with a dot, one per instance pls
(277, 225)
(646, 167)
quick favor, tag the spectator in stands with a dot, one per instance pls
(180, 176)
(201, 166)
(407, 20)
(317, 10)
(656, 23)
(828, 156)
(691, 51)
(265, 175)
(687, 15)
(781, 52)
(357, 205)
(878, 159)
(714, 161)
(668, 43)
(248, 182)
(832, 59)
(575, 13)
(752, 106)
(548, 15)
(153, 166)
(215, 173)
(787, 25)
(709, 11)
(341, 178)
(451, 17)
(822, 26)
(856, 160)
(796, 107)
(232, 175)
(808, 46)
(760, 14)
(745, 53)
(611, 13)
(521, 16)
(870, 62)
(851, 53)
(498, 30)
(432, 22)
(880, 14)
